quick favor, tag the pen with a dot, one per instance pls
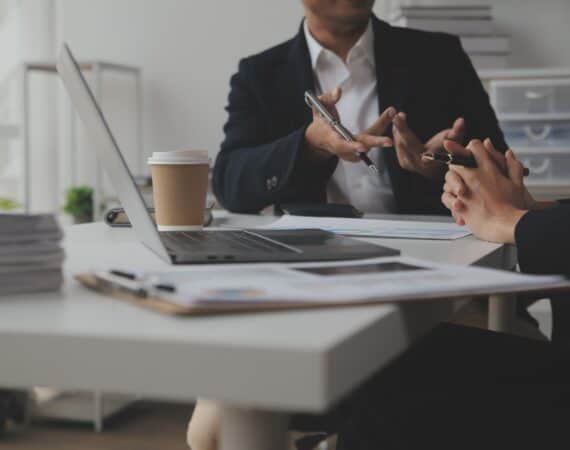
(449, 158)
(314, 103)
(132, 276)
(123, 274)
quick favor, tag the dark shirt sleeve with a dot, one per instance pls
(255, 168)
(543, 241)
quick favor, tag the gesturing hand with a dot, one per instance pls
(409, 147)
(324, 141)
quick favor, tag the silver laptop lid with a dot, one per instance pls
(108, 152)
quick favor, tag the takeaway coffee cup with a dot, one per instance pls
(180, 185)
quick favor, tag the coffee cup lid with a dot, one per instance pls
(180, 157)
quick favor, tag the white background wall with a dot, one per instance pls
(540, 29)
(190, 48)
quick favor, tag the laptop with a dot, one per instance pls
(206, 246)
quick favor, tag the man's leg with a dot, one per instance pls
(204, 427)
(561, 320)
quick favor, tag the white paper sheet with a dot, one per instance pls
(375, 228)
(394, 279)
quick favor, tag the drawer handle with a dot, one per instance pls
(537, 134)
(535, 95)
(538, 169)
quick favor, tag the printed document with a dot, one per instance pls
(378, 280)
(402, 229)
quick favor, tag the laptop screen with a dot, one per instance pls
(108, 152)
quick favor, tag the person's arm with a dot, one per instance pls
(252, 170)
(543, 241)
(255, 169)
(474, 119)
(493, 201)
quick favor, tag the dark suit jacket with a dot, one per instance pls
(542, 240)
(544, 248)
(263, 159)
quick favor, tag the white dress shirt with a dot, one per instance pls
(358, 110)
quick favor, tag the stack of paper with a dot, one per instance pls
(30, 253)
(473, 23)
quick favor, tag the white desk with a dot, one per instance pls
(262, 366)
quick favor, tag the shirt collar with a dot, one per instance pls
(365, 44)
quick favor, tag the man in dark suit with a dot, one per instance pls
(401, 92)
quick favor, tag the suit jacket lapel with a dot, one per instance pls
(300, 78)
(395, 88)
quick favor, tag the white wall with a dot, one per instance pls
(190, 48)
(540, 29)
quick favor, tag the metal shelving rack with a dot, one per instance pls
(97, 68)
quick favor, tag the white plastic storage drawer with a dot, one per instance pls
(546, 167)
(537, 133)
(546, 97)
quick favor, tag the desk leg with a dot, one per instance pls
(244, 429)
(502, 312)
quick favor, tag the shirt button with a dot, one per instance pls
(274, 181)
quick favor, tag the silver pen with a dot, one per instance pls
(314, 103)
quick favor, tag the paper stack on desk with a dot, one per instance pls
(30, 253)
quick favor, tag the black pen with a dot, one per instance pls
(314, 103)
(449, 158)
(133, 277)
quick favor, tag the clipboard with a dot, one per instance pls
(166, 307)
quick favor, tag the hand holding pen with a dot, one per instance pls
(455, 154)
(490, 197)
(326, 136)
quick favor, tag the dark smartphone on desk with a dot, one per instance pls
(319, 210)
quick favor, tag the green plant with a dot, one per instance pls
(8, 204)
(79, 201)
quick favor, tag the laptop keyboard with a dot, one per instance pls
(222, 241)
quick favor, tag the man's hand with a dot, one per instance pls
(325, 142)
(409, 147)
(488, 200)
